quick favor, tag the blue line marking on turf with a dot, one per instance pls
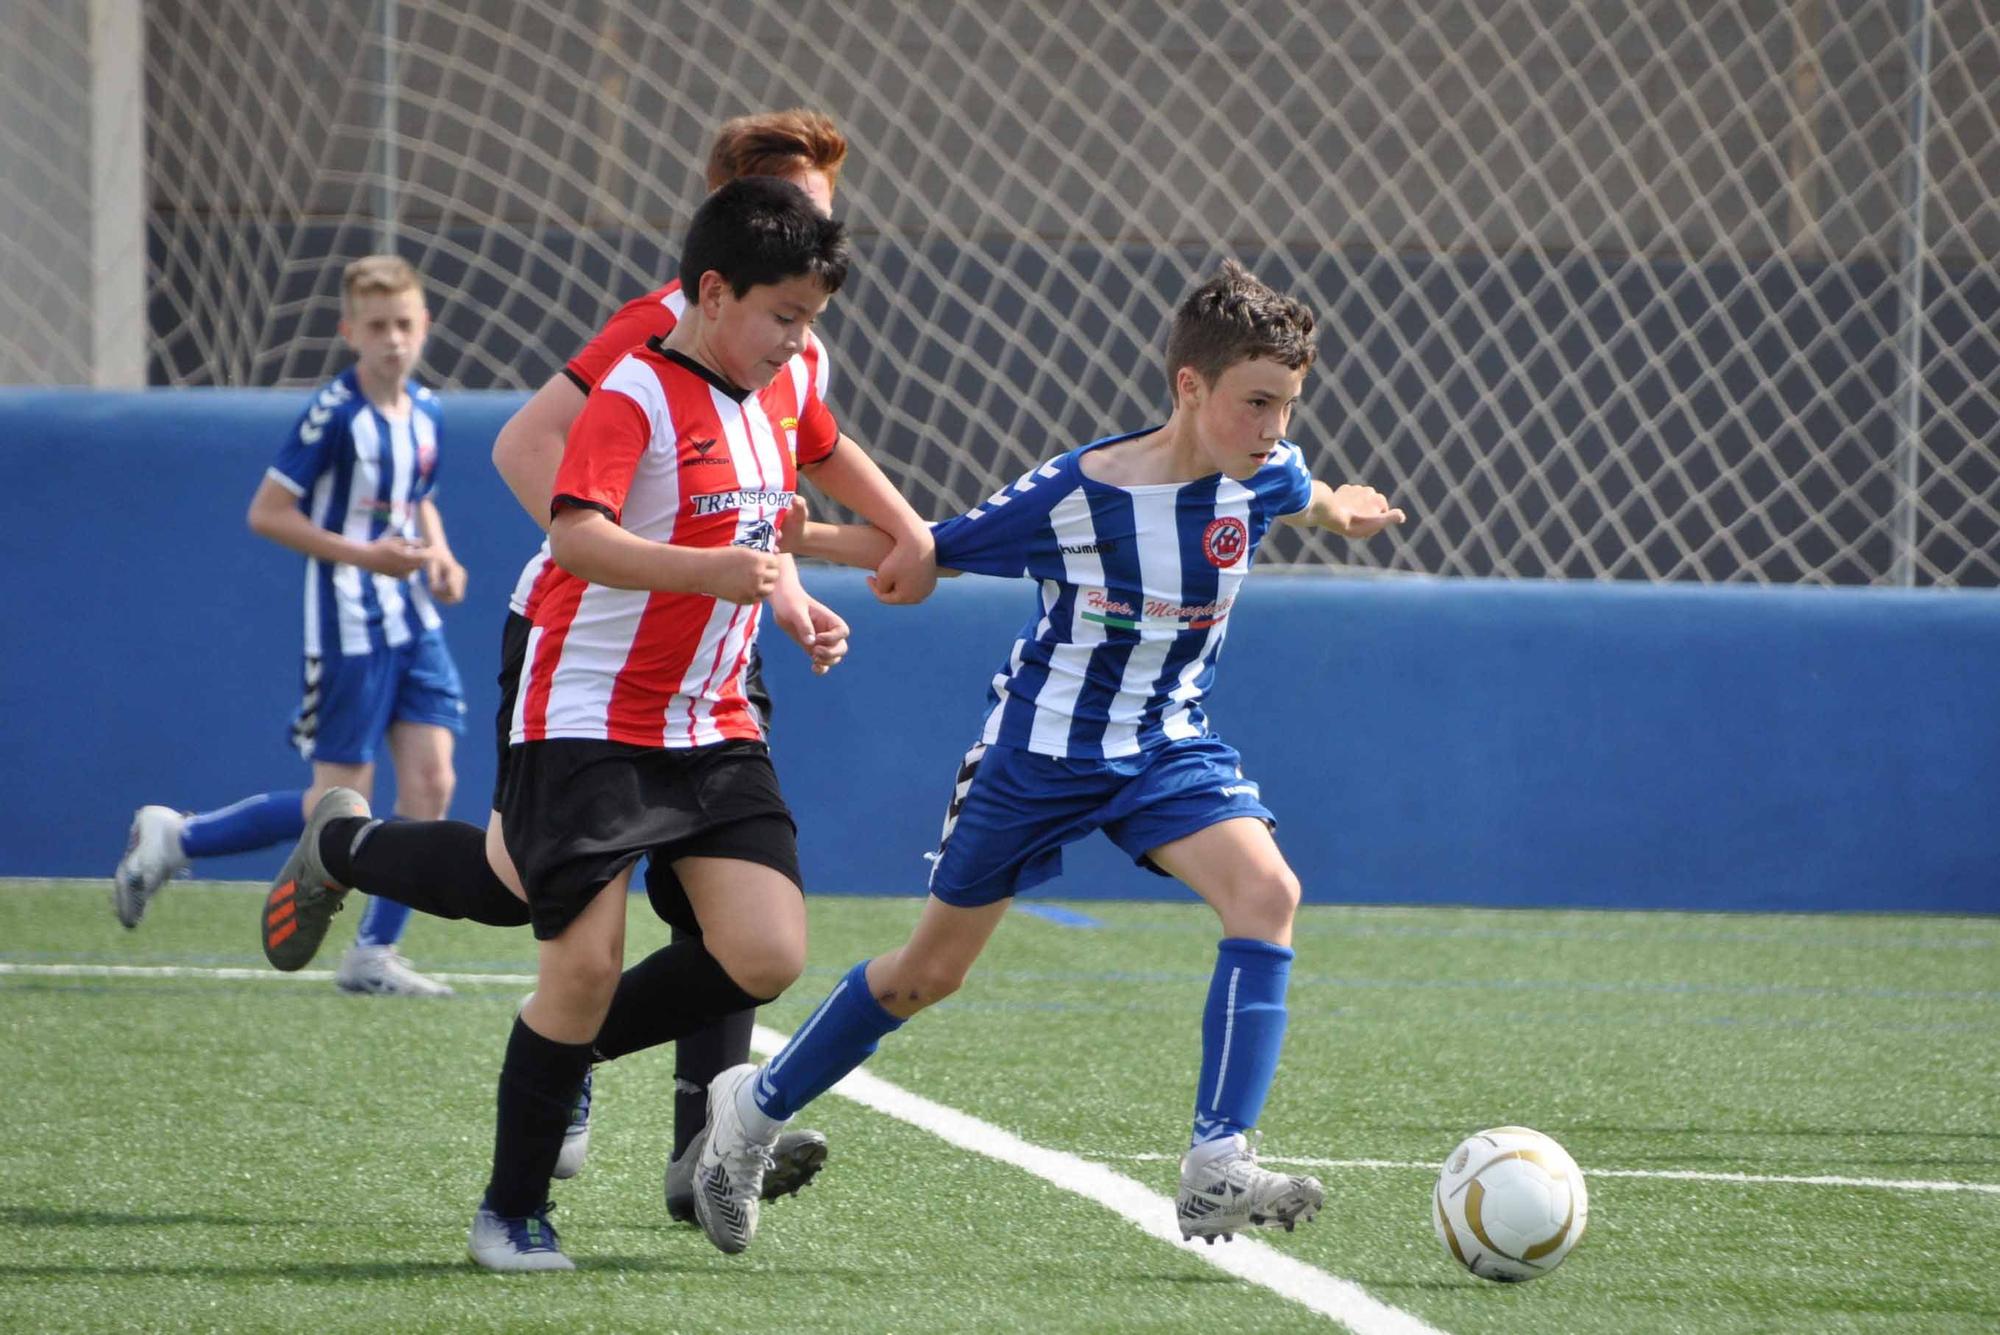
(1061, 917)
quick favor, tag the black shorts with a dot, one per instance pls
(514, 654)
(578, 812)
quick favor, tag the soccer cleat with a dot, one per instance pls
(796, 1158)
(729, 1171)
(1223, 1192)
(152, 855)
(304, 898)
(527, 1243)
(382, 971)
(576, 1136)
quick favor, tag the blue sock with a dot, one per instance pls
(382, 922)
(255, 822)
(841, 1035)
(1242, 1028)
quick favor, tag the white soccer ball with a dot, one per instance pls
(1510, 1204)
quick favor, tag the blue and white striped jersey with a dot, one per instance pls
(359, 472)
(1136, 587)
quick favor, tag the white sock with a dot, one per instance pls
(1210, 1150)
(759, 1125)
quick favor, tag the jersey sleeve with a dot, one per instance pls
(1292, 489)
(605, 445)
(818, 433)
(636, 321)
(1000, 534)
(309, 449)
(430, 461)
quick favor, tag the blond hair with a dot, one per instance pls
(378, 275)
(776, 143)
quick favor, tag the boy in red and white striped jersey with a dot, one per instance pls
(633, 736)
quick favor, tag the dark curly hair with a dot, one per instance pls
(1233, 318)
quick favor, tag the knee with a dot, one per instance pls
(763, 968)
(595, 977)
(425, 791)
(1262, 903)
(910, 985)
(573, 998)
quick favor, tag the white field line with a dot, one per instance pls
(528, 981)
(1668, 1174)
(1245, 1258)
(1150, 1212)
(228, 975)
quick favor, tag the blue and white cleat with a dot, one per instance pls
(383, 971)
(152, 856)
(729, 1174)
(507, 1245)
(1224, 1192)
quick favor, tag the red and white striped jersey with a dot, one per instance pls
(654, 316)
(670, 452)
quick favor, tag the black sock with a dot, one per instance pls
(699, 1057)
(539, 1081)
(673, 991)
(436, 866)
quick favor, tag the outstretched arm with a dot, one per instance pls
(1351, 510)
(907, 571)
(860, 545)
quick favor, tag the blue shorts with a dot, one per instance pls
(1013, 811)
(349, 702)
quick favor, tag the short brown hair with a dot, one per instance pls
(378, 275)
(1234, 318)
(776, 143)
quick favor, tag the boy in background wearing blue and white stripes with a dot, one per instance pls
(351, 491)
(1139, 544)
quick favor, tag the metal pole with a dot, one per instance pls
(1911, 335)
(385, 186)
(117, 195)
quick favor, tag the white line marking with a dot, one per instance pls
(1668, 1174)
(1144, 1208)
(1245, 1258)
(265, 975)
(1151, 1212)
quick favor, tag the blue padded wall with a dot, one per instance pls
(1420, 740)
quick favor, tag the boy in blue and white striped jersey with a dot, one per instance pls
(1139, 544)
(351, 491)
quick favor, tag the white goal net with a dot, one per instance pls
(1674, 290)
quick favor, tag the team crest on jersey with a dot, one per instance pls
(427, 457)
(1224, 541)
(759, 533)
